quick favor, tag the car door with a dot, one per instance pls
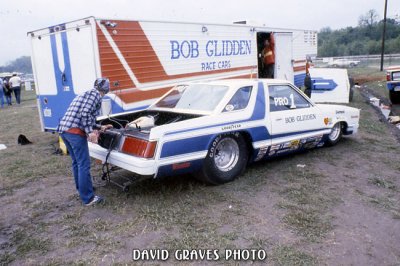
(293, 116)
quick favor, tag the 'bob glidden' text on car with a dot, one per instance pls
(214, 129)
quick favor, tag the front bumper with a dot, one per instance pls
(139, 166)
(351, 129)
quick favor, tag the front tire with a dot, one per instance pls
(226, 159)
(335, 135)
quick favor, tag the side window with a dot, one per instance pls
(396, 76)
(240, 100)
(284, 97)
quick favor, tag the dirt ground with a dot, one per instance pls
(329, 206)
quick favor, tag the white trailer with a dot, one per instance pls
(144, 59)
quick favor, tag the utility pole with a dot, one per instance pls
(383, 36)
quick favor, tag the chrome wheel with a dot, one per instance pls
(335, 132)
(226, 155)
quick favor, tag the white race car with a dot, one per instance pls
(214, 129)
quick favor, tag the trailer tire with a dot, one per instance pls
(226, 159)
(394, 97)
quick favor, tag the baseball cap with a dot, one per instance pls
(102, 84)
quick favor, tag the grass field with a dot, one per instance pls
(334, 206)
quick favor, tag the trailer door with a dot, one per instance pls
(65, 63)
(283, 56)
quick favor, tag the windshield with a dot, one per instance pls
(200, 97)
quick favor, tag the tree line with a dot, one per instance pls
(365, 39)
(21, 64)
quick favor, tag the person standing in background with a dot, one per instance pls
(7, 91)
(1, 93)
(15, 86)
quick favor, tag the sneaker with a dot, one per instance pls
(95, 200)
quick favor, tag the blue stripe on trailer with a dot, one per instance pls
(54, 106)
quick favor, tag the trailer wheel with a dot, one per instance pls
(394, 97)
(226, 159)
(335, 135)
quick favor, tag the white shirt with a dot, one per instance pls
(15, 81)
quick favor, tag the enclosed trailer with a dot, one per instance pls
(144, 59)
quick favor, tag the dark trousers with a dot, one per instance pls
(7, 94)
(268, 71)
(1, 96)
(17, 94)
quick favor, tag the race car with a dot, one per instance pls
(215, 129)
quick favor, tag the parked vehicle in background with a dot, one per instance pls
(214, 129)
(343, 63)
(393, 83)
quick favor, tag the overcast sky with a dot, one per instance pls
(17, 17)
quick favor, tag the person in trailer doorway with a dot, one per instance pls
(268, 56)
(76, 128)
(15, 86)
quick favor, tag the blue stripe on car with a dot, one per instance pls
(202, 143)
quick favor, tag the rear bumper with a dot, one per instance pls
(139, 166)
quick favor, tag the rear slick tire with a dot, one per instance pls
(226, 159)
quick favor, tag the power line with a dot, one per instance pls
(383, 36)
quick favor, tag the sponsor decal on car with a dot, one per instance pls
(304, 143)
(327, 120)
(300, 118)
(231, 127)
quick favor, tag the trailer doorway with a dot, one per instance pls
(261, 38)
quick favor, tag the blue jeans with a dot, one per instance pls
(79, 151)
(17, 94)
(1, 96)
(8, 96)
